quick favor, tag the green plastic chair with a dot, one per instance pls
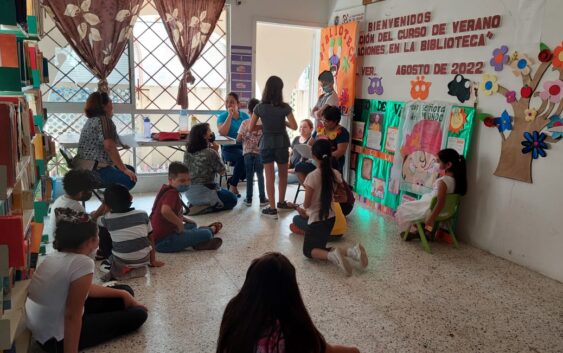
(446, 216)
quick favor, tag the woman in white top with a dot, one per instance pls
(453, 181)
(64, 310)
(323, 186)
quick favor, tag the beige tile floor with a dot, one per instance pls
(406, 301)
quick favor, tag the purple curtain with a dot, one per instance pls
(189, 24)
(97, 30)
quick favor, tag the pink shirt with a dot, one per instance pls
(250, 139)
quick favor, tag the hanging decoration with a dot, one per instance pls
(460, 87)
(500, 58)
(420, 89)
(528, 121)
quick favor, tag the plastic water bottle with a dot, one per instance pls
(184, 122)
(147, 127)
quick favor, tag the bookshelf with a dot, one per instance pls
(25, 149)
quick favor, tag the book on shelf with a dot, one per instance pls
(12, 235)
(8, 141)
(10, 79)
(8, 13)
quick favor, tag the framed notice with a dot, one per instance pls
(375, 131)
(392, 139)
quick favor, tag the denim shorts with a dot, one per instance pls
(278, 155)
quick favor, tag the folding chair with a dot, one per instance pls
(446, 216)
(68, 159)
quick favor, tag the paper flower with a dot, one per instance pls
(558, 56)
(553, 90)
(535, 143)
(510, 96)
(488, 84)
(522, 64)
(489, 122)
(530, 114)
(555, 126)
(500, 57)
(504, 122)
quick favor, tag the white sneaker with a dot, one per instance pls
(105, 266)
(338, 257)
(359, 254)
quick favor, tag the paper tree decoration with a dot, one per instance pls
(527, 120)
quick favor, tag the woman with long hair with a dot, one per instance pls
(204, 163)
(268, 314)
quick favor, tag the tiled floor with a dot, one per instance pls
(406, 301)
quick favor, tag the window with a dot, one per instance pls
(150, 91)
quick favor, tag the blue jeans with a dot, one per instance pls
(253, 164)
(233, 154)
(228, 198)
(112, 175)
(191, 236)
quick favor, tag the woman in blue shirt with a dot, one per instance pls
(228, 124)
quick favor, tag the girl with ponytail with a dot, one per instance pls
(323, 186)
(454, 181)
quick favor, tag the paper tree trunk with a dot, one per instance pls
(514, 164)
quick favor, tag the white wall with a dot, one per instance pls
(517, 221)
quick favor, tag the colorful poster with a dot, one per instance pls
(392, 139)
(241, 73)
(378, 188)
(375, 130)
(423, 133)
(338, 55)
(352, 14)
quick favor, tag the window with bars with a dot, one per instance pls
(143, 85)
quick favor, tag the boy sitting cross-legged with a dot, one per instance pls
(172, 232)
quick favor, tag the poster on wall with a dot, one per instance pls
(358, 130)
(338, 55)
(375, 132)
(352, 14)
(423, 133)
(392, 139)
(241, 73)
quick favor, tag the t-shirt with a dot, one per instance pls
(296, 156)
(250, 139)
(336, 137)
(62, 201)
(235, 123)
(48, 290)
(161, 227)
(314, 181)
(204, 165)
(129, 236)
(326, 98)
(273, 125)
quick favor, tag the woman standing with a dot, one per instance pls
(328, 98)
(97, 147)
(228, 124)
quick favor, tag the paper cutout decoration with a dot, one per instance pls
(557, 60)
(489, 122)
(460, 87)
(555, 126)
(521, 64)
(420, 89)
(545, 55)
(510, 96)
(553, 91)
(526, 91)
(534, 143)
(458, 119)
(504, 122)
(489, 84)
(375, 85)
(500, 58)
(530, 114)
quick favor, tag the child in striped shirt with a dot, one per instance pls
(133, 248)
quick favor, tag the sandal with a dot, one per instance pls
(216, 227)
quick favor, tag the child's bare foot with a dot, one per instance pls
(216, 227)
(156, 263)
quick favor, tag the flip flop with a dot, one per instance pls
(217, 225)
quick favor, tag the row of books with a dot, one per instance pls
(25, 14)
(21, 64)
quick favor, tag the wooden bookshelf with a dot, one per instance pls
(12, 321)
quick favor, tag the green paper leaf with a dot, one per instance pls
(543, 46)
(482, 116)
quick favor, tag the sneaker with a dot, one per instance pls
(296, 230)
(359, 254)
(105, 266)
(285, 206)
(248, 202)
(270, 212)
(264, 201)
(211, 244)
(338, 257)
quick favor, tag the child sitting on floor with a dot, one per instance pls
(268, 314)
(322, 187)
(132, 245)
(454, 181)
(172, 232)
(251, 152)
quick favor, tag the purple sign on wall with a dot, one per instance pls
(241, 72)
